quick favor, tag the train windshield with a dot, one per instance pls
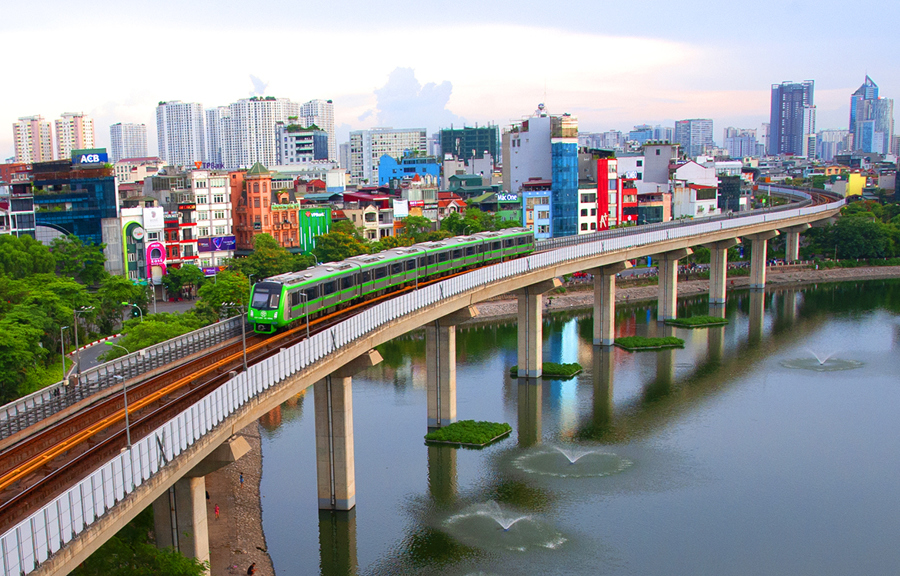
(266, 297)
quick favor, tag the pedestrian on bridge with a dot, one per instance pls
(217, 511)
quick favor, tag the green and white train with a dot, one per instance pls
(278, 301)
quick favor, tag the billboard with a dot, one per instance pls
(401, 208)
(153, 218)
(215, 244)
(89, 157)
(313, 222)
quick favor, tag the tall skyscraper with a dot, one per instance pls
(740, 142)
(74, 131)
(215, 135)
(249, 130)
(466, 143)
(179, 126)
(368, 146)
(33, 139)
(321, 114)
(871, 119)
(695, 136)
(790, 116)
(127, 141)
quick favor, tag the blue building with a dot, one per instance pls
(391, 170)
(74, 197)
(564, 188)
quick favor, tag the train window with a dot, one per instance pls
(443, 256)
(396, 267)
(430, 259)
(347, 282)
(422, 262)
(311, 293)
(522, 240)
(508, 243)
(457, 254)
(470, 250)
(380, 272)
(366, 276)
(329, 288)
(295, 298)
(260, 297)
(481, 248)
(495, 245)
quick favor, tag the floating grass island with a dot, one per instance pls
(697, 322)
(553, 370)
(638, 343)
(469, 433)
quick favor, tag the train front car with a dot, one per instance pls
(265, 307)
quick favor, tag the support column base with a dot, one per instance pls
(435, 424)
(604, 341)
(339, 504)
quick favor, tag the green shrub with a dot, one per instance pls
(469, 432)
(553, 369)
(644, 343)
(697, 321)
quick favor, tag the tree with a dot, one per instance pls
(114, 290)
(267, 259)
(78, 260)
(389, 242)
(417, 227)
(187, 276)
(337, 246)
(22, 257)
(229, 287)
(154, 329)
(19, 350)
(860, 237)
(348, 228)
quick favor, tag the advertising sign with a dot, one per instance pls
(156, 258)
(215, 244)
(401, 208)
(213, 270)
(153, 218)
(313, 222)
(507, 197)
(90, 157)
(137, 233)
(292, 206)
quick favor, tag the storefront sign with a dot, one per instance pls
(292, 206)
(507, 197)
(215, 244)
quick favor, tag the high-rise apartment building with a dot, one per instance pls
(179, 126)
(368, 146)
(74, 131)
(467, 143)
(249, 130)
(299, 145)
(741, 142)
(871, 119)
(320, 113)
(33, 139)
(831, 142)
(215, 135)
(127, 141)
(695, 135)
(641, 133)
(790, 117)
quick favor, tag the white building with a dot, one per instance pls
(127, 140)
(693, 200)
(527, 151)
(321, 114)
(335, 177)
(299, 145)
(215, 136)
(215, 242)
(249, 130)
(33, 139)
(74, 131)
(694, 173)
(137, 169)
(695, 135)
(179, 126)
(587, 210)
(368, 146)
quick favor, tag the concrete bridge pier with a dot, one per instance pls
(440, 366)
(529, 411)
(718, 269)
(758, 258)
(789, 303)
(442, 478)
(335, 465)
(179, 515)
(792, 242)
(604, 371)
(665, 359)
(337, 542)
(605, 302)
(530, 323)
(667, 265)
(757, 316)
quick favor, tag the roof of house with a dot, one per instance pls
(257, 170)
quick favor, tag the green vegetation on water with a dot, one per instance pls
(553, 369)
(697, 321)
(632, 343)
(469, 432)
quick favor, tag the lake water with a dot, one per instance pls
(719, 458)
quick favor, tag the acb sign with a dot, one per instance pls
(89, 157)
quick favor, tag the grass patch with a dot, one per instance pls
(635, 343)
(553, 369)
(469, 433)
(697, 321)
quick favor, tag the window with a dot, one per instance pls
(584, 226)
(443, 256)
(593, 211)
(640, 163)
(593, 225)
(470, 250)
(203, 215)
(203, 231)
(218, 198)
(380, 272)
(152, 235)
(366, 276)
(640, 175)
(430, 259)
(657, 151)
(201, 199)
(584, 211)
(220, 230)
(295, 298)
(522, 240)
(256, 202)
(329, 288)
(457, 254)
(312, 293)
(347, 282)
(219, 215)
(410, 265)
(396, 267)
(508, 243)
(495, 245)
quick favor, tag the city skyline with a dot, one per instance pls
(652, 75)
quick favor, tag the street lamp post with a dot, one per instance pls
(77, 351)
(125, 398)
(62, 350)
(135, 306)
(243, 328)
(250, 280)
(305, 310)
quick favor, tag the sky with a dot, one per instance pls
(409, 64)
